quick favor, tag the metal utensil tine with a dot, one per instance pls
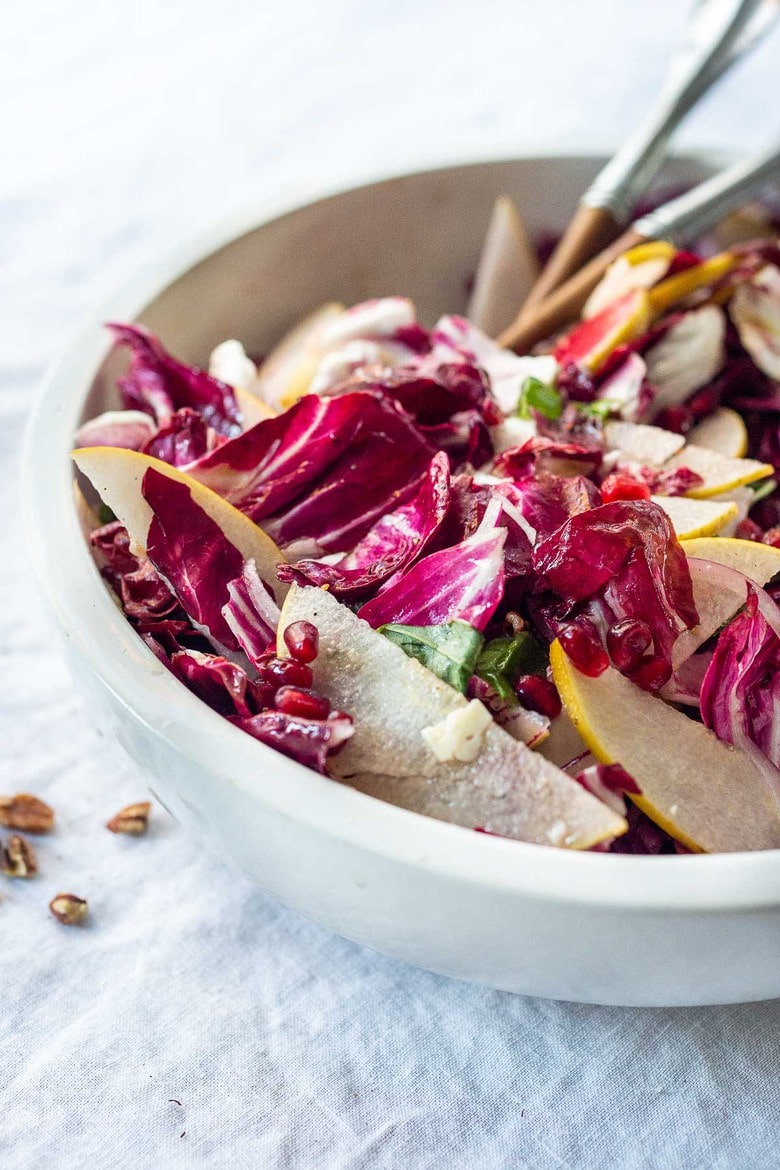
(715, 38)
(696, 210)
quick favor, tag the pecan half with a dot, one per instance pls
(17, 858)
(134, 819)
(69, 909)
(27, 813)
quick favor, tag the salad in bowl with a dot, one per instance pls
(529, 594)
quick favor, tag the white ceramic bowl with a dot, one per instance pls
(596, 928)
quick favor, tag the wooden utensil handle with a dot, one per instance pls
(565, 304)
(590, 230)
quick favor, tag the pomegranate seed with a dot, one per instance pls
(674, 418)
(621, 486)
(304, 703)
(302, 640)
(747, 529)
(772, 537)
(538, 694)
(585, 651)
(651, 673)
(627, 642)
(281, 672)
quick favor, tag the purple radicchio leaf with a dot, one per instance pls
(225, 687)
(183, 439)
(501, 503)
(432, 392)
(158, 383)
(618, 563)
(321, 474)
(309, 741)
(144, 596)
(251, 612)
(608, 782)
(463, 583)
(130, 429)
(547, 501)
(644, 838)
(391, 546)
(192, 554)
(740, 693)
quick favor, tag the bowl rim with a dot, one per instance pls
(94, 626)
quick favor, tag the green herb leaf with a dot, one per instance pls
(449, 651)
(105, 515)
(539, 396)
(762, 489)
(602, 408)
(504, 660)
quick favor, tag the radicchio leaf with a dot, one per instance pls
(309, 741)
(192, 554)
(392, 545)
(130, 429)
(183, 439)
(740, 693)
(608, 782)
(251, 613)
(223, 685)
(144, 596)
(619, 563)
(548, 501)
(462, 583)
(156, 382)
(321, 474)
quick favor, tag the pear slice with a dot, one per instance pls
(692, 518)
(507, 270)
(508, 789)
(705, 793)
(716, 605)
(719, 472)
(253, 409)
(117, 475)
(722, 431)
(640, 443)
(682, 284)
(639, 267)
(286, 373)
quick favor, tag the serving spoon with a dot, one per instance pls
(678, 221)
(718, 33)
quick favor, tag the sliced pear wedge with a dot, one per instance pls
(639, 267)
(117, 475)
(691, 518)
(508, 789)
(722, 431)
(640, 443)
(719, 472)
(506, 271)
(716, 605)
(706, 794)
(682, 284)
(287, 371)
(253, 409)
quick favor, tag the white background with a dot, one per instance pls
(125, 126)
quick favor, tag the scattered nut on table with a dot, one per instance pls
(69, 909)
(134, 819)
(17, 858)
(26, 813)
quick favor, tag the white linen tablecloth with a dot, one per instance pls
(194, 1022)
